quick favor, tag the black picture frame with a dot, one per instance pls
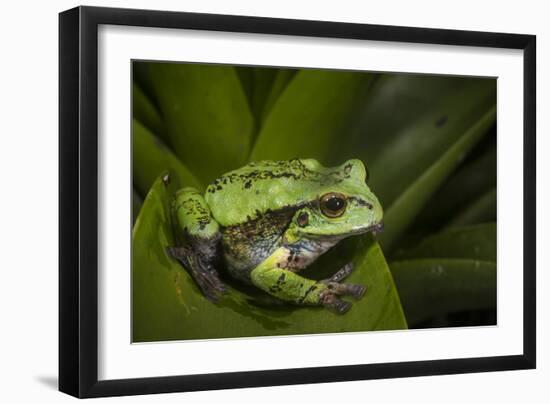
(78, 201)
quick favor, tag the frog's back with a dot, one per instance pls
(266, 186)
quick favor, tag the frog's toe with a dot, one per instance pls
(356, 291)
(331, 302)
(336, 305)
(343, 273)
(346, 289)
(211, 286)
(340, 307)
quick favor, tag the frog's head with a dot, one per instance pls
(344, 205)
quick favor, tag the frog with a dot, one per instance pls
(266, 221)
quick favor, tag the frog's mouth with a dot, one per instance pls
(374, 229)
(377, 228)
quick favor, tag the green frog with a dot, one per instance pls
(268, 220)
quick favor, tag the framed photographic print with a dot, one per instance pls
(251, 201)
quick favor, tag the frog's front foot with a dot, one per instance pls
(329, 297)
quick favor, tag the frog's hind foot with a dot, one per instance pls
(349, 289)
(204, 274)
(331, 302)
(335, 288)
(343, 273)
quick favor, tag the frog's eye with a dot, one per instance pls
(333, 204)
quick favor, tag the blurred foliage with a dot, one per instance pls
(455, 284)
(206, 113)
(429, 144)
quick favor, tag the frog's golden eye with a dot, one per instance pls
(333, 204)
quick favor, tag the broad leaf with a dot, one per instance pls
(151, 157)
(257, 83)
(207, 116)
(478, 242)
(246, 76)
(137, 201)
(469, 183)
(142, 78)
(414, 147)
(280, 82)
(483, 209)
(398, 101)
(145, 112)
(309, 117)
(167, 304)
(431, 287)
(263, 84)
(454, 270)
(402, 211)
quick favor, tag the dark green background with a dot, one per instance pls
(429, 143)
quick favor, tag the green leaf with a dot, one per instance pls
(167, 304)
(137, 201)
(402, 211)
(469, 183)
(145, 112)
(257, 83)
(309, 117)
(142, 78)
(478, 242)
(151, 157)
(397, 101)
(413, 148)
(263, 85)
(246, 76)
(280, 82)
(483, 209)
(431, 287)
(206, 114)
